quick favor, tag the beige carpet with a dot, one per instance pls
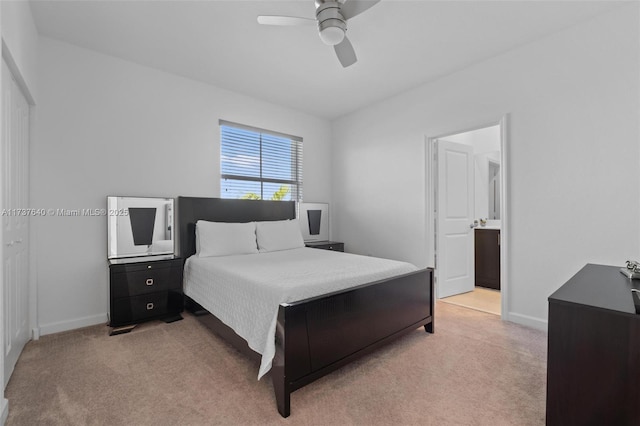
(481, 299)
(476, 370)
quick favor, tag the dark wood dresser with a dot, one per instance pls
(144, 290)
(593, 364)
(326, 245)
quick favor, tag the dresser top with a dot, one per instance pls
(601, 287)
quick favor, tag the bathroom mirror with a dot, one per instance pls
(139, 226)
(494, 189)
(487, 185)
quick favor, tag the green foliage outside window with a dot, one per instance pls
(277, 196)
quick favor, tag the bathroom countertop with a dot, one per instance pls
(493, 227)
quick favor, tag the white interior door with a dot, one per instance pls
(15, 221)
(454, 218)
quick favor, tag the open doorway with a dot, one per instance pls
(467, 220)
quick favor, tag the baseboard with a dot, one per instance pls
(5, 411)
(528, 321)
(57, 327)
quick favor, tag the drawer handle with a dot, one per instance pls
(149, 281)
(149, 306)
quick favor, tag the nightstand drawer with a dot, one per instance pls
(145, 266)
(137, 308)
(146, 280)
(326, 245)
(143, 282)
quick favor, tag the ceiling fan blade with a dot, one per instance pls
(352, 8)
(285, 20)
(346, 54)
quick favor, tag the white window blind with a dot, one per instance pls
(259, 164)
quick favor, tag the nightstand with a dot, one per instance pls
(325, 245)
(144, 290)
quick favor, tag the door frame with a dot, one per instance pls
(505, 225)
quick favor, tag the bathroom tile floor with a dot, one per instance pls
(480, 299)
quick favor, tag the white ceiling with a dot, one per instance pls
(400, 44)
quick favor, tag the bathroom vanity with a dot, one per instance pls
(487, 257)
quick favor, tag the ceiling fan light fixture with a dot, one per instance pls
(332, 35)
(331, 17)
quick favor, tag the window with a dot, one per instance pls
(259, 164)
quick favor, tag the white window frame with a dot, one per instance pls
(296, 157)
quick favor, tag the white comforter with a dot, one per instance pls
(244, 291)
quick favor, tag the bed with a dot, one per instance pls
(310, 334)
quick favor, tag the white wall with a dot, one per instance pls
(484, 140)
(110, 127)
(20, 36)
(573, 157)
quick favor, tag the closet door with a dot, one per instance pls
(15, 220)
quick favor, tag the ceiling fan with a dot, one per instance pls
(331, 17)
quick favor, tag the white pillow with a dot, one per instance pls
(224, 239)
(279, 235)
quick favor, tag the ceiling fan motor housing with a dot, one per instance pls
(329, 17)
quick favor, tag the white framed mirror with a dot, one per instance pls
(139, 226)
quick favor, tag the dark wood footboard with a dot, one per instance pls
(317, 336)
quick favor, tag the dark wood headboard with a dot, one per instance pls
(192, 209)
